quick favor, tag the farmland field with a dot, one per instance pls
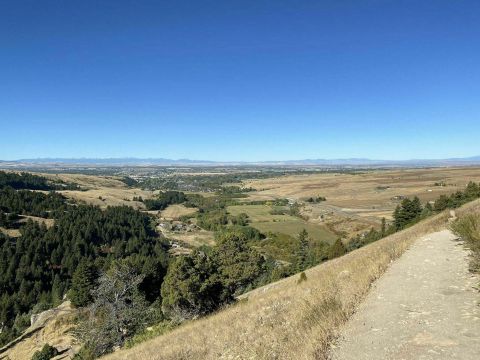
(262, 220)
(176, 211)
(366, 194)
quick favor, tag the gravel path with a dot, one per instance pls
(424, 307)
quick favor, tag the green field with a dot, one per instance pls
(262, 220)
(257, 213)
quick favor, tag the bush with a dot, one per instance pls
(337, 249)
(85, 353)
(278, 211)
(468, 228)
(238, 264)
(46, 353)
(212, 220)
(302, 278)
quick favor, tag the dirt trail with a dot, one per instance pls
(424, 307)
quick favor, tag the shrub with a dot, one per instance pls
(46, 353)
(238, 264)
(337, 249)
(302, 278)
(468, 228)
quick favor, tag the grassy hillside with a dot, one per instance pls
(288, 319)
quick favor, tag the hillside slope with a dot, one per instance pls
(288, 319)
(49, 327)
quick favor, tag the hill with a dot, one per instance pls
(290, 318)
(51, 326)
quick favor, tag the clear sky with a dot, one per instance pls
(240, 80)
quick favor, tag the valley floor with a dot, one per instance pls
(424, 307)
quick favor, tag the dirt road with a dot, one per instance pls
(424, 307)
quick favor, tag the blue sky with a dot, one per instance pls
(239, 80)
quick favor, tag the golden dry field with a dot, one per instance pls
(195, 238)
(101, 190)
(10, 232)
(175, 211)
(369, 195)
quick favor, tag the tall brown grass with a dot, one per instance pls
(468, 228)
(288, 319)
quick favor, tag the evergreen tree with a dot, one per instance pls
(238, 264)
(472, 191)
(415, 208)
(57, 290)
(337, 249)
(302, 252)
(383, 229)
(192, 287)
(83, 282)
(407, 212)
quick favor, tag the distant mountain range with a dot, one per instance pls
(53, 162)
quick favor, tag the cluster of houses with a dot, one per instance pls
(178, 226)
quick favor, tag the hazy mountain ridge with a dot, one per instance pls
(132, 161)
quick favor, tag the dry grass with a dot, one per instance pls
(101, 190)
(368, 195)
(294, 226)
(195, 238)
(52, 327)
(10, 232)
(87, 181)
(288, 319)
(48, 222)
(174, 212)
(468, 228)
(23, 219)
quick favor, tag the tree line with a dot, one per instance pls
(37, 267)
(411, 211)
(33, 182)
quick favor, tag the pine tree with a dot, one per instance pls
(398, 219)
(337, 249)
(407, 212)
(192, 287)
(302, 253)
(83, 282)
(416, 208)
(57, 290)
